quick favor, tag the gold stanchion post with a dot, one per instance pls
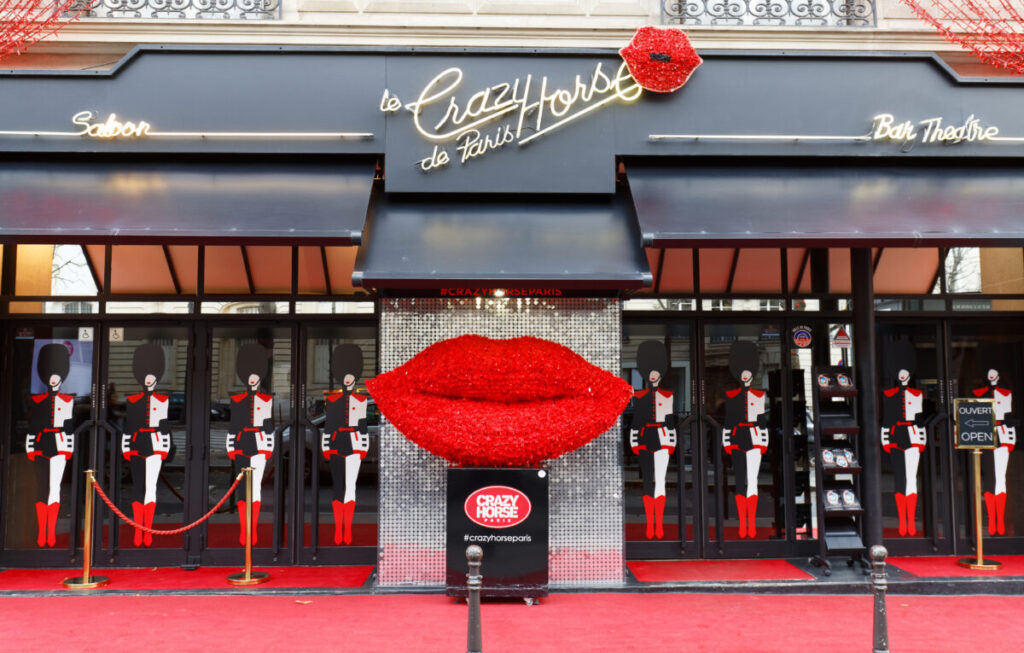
(248, 577)
(87, 581)
(979, 562)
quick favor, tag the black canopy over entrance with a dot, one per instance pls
(233, 203)
(814, 204)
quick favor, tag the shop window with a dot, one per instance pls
(906, 270)
(334, 308)
(1002, 270)
(175, 308)
(52, 270)
(245, 308)
(64, 308)
(659, 305)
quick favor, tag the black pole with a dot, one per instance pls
(820, 283)
(862, 272)
(879, 584)
(474, 581)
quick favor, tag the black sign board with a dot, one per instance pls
(975, 424)
(505, 512)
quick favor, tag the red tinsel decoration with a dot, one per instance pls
(992, 30)
(24, 22)
(499, 403)
(660, 59)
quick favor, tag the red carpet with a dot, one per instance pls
(628, 623)
(942, 567)
(661, 571)
(153, 578)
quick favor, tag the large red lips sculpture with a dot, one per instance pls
(660, 59)
(499, 403)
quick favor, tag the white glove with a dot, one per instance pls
(761, 437)
(30, 443)
(885, 436)
(1007, 435)
(726, 438)
(161, 442)
(229, 442)
(670, 438)
(920, 436)
(125, 442)
(634, 441)
(266, 441)
(325, 442)
(360, 441)
(66, 442)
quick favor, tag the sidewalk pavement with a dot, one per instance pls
(619, 622)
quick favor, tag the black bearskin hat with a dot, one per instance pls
(986, 357)
(53, 359)
(148, 359)
(252, 359)
(899, 355)
(651, 355)
(347, 359)
(743, 355)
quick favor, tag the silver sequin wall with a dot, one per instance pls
(586, 541)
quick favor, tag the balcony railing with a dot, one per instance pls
(183, 9)
(781, 13)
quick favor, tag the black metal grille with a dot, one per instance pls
(178, 9)
(782, 13)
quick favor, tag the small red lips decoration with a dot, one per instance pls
(660, 59)
(499, 403)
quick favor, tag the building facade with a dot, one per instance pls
(833, 186)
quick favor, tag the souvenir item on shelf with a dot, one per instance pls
(850, 499)
(851, 458)
(824, 381)
(844, 381)
(828, 457)
(832, 500)
(841, 460)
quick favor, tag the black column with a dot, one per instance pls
(821, 284)
(862, 273)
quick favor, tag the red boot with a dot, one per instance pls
(741, 511)
(912, 514)
(138, 516)
(339, 520)
(752, 516)
(41, 520)
(350, 513)
(901, 509)
(148, 511)
(52, 513)
(241, 523)
(649, 513)
(1001, 513)
(659, 515)
(255, 519)
(990, 507)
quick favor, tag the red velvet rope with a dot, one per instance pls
(176, 531)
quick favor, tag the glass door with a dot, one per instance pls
(146, 436)
(660, 453)
(251, 394)
(746, 416)
(51, 439)
(915, 437)
(986, 359)
(336, 457)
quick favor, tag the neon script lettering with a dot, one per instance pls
(109, 128)
(528, 105)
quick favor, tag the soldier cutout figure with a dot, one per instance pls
(250, 441)
(995, 461)
(903, 438)
(146, 439)
(345, 439)
(745, 433)
(652, 435)
(50, 442)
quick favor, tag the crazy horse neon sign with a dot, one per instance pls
(657, 59)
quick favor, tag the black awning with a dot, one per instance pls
(150, 202)
(482, 241)
(825, 205)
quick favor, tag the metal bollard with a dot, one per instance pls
(474, 581)
(879, 584)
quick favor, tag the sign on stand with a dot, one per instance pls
(505, 512)
(975, 424)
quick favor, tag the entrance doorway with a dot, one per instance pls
(740, 483)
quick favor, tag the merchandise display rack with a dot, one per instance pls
(837, 466)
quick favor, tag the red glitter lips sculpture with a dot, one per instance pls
(499, 403)
(660, 59)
